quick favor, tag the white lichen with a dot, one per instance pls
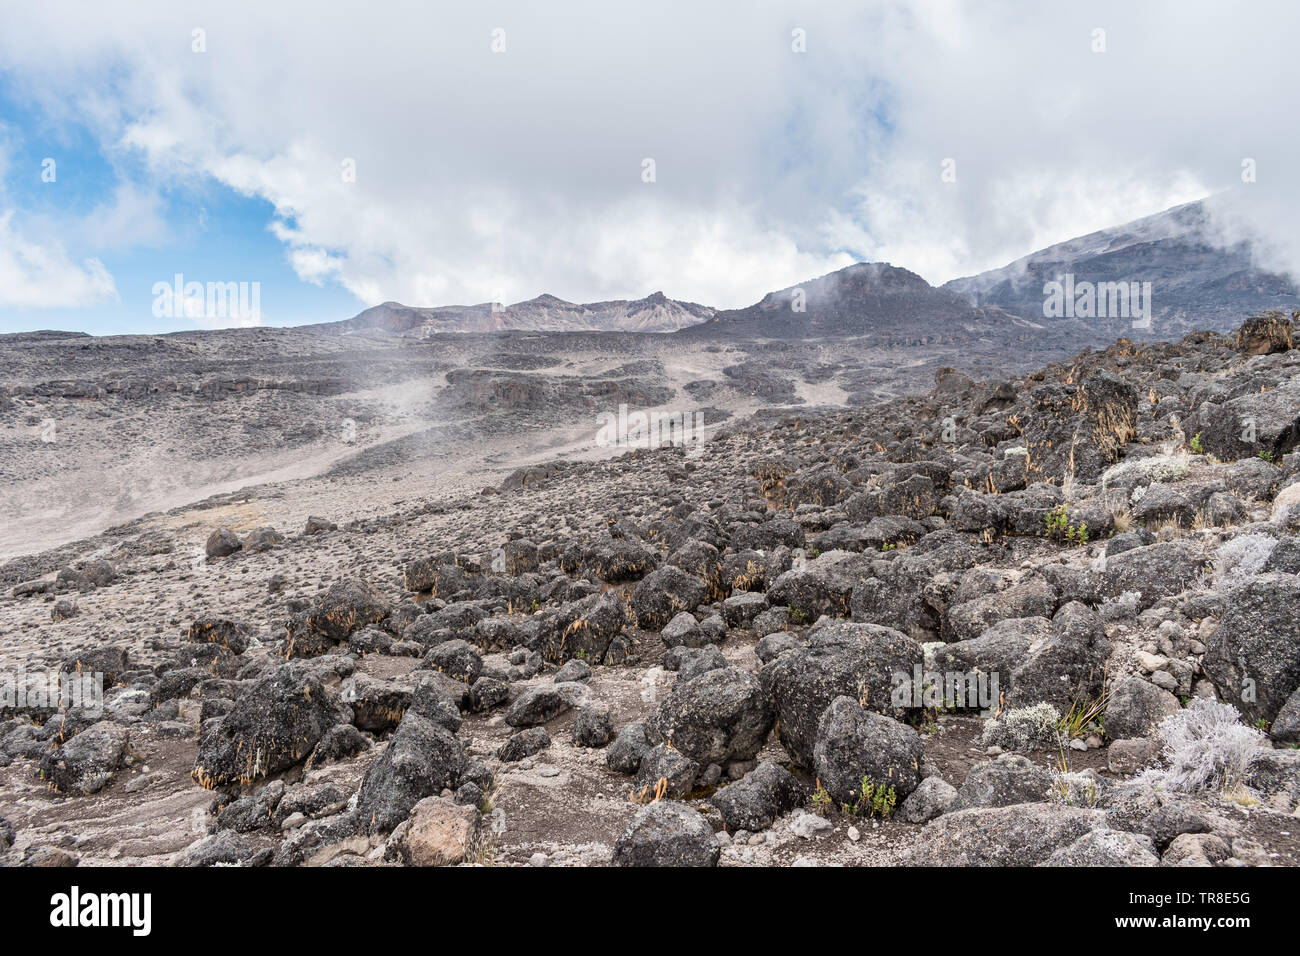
(1156, 468)
(1024, 729)
(1242, 556)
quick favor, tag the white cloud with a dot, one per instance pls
(41, 275)
(482, 175)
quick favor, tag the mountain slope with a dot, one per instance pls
(884, 305)
(1196, 283)
(546, 313)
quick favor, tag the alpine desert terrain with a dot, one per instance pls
(935, 584)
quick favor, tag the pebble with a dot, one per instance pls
(1151, 662)
(539, 859)
(807, 825)
(142, 781)
(854, 835)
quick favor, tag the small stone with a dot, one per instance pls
(854, 835)
(1151, 662)
(539, 859)
(1131, 755)
(807, 825)
(1165, 681)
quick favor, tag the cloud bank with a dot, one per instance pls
(499, 148)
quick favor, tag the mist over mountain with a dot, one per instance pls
(883, 305)
(1196, 281)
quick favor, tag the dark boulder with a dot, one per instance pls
(274, 725)
(839, 660)
(755, 801)
(666, 833)
(1253, 656)
(856, 748)
(421, 759)
(721, 715)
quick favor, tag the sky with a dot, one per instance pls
(325, 157)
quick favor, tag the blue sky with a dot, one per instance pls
(496, 172)
(205, 230)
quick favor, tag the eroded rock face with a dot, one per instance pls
(1079, 430)
(1266, 333)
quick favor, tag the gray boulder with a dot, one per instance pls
(1007, 780)
(625, 753)
(1253, 657)
(1069, 665)
(422, 759)
(1106, 848)
(273, 725)
(1136, 707)
(1024, 834)
(839, 660)
(721, 715)
(347, 606)
(1152, 572)
(683, 631)
(663, 594)
(524, 744)
(542, 704)
(856, 748)
(665, 772)
(755, 801)
(666, 833)
(932, 796)
(84, 764)
(1286, 725)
